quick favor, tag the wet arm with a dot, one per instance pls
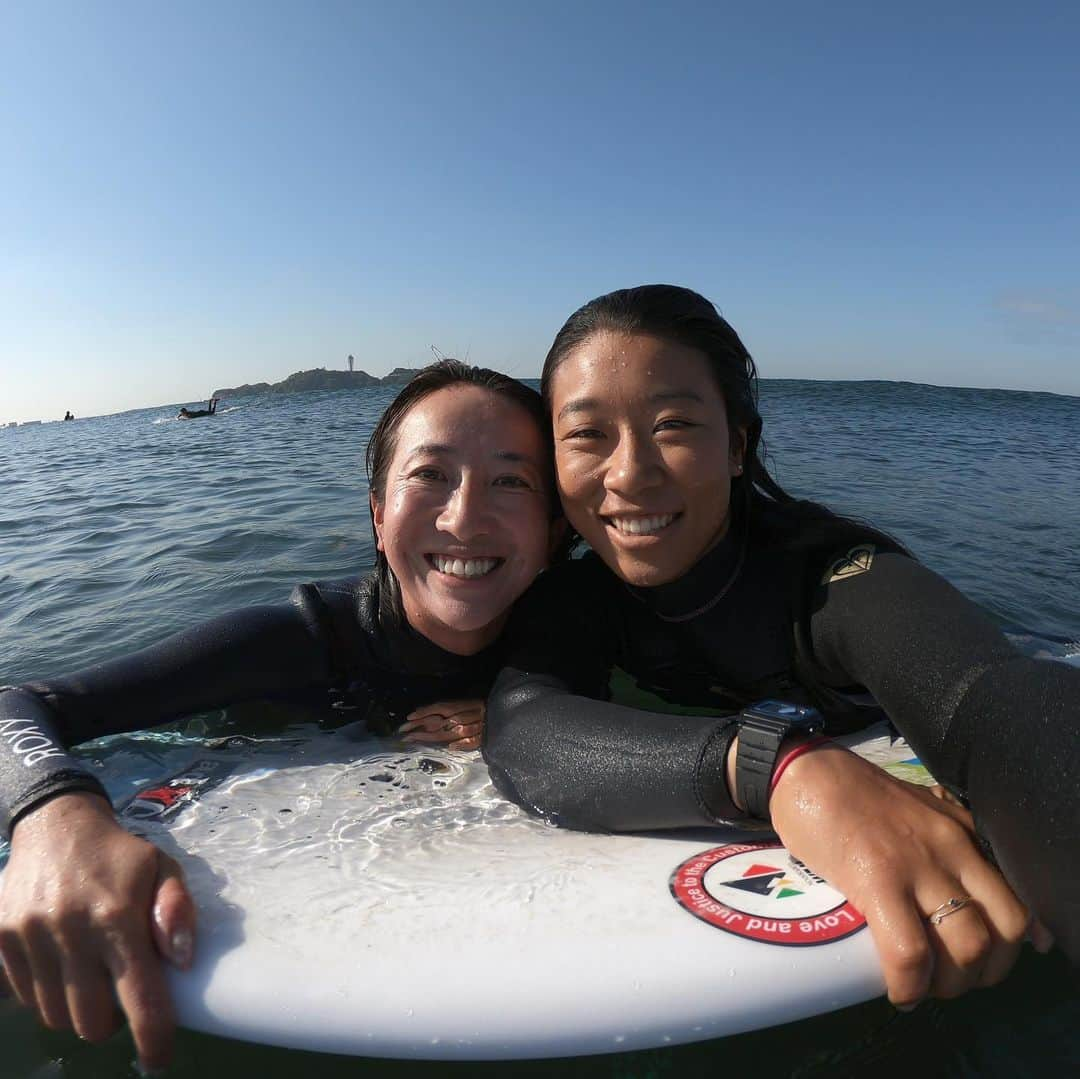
(250, 653)
(1001, 728)
(557, 748)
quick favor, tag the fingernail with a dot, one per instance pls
(905, 1008)
(181, 944)
(1042, 940)
(145, 1071)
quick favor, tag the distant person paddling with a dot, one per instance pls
(194, 414)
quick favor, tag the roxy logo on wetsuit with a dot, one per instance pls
(28, 742)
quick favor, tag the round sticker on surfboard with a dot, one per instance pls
(759, 891)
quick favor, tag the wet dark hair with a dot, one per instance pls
(678, 314)
(383, 444)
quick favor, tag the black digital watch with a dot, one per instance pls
(762, 727)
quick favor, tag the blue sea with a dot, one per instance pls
(117, 530)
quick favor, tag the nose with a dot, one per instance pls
(634, 465)
(467, 512)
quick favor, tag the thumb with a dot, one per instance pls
(173, 914)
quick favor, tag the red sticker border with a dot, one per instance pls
(690, 893)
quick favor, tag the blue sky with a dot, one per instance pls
(195, 195)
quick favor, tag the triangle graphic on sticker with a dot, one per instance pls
(786, 893)
(756, 885)
(756, 870)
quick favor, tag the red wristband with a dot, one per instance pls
(805, 747)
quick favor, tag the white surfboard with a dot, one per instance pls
(362, 897)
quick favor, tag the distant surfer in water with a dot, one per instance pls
(194, 414)
(68, 416)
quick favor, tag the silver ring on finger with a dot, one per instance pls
(949, 907)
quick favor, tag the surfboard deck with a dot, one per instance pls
(364, 897)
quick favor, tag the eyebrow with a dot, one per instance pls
(440, 449)
(429, 449)
(587, 404)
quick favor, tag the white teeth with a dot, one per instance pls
(642, 526)
(464, 567)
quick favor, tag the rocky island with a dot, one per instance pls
(320, 379)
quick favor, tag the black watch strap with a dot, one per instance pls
(758, 747)
(762, 729)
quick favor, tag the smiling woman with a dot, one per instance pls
(461, 504)
(719, 624)
(465, 517)
(644, 454)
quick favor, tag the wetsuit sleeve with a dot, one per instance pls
(251, 653)
(557, 748)
(999, 727)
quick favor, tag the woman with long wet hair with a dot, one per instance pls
(713, 594)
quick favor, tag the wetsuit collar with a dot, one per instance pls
(703, 585)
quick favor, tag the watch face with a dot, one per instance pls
(794, 714)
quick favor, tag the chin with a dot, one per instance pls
(642, 575)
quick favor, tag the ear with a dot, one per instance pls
(737, 452)
(376, 520)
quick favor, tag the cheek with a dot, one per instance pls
(402, 525)
(576, 478)
(574, 505)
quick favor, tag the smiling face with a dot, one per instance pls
(464, 519)
(643, 453)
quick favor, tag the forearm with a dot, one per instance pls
(34, 765)
(597, 766)
(255, 652)
(1000, 728)
(1022, 722)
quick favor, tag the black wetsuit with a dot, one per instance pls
(330, 643)
(806, 620)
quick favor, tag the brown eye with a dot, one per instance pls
(432, 475)
(514, 481)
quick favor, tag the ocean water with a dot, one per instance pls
(118, 530)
